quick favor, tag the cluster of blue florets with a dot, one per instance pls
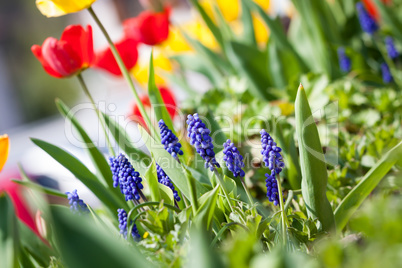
(76, 204)
(125, 175)
(169, 140)
(164, 179)
(274, 161)
(344, 61)
(233, 159)
(386, 73)
(391, 50)
(367, 22)
(122, 217)
(199, 137)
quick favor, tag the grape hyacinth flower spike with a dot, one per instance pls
(122, 217)
(77, 205)
(164, 179)
(125, 175)
(199, 137)
(233, 159)
(367, 22)
(391, 50)
(386, 73)
(344, 61)
(274, 161)
(169, 140)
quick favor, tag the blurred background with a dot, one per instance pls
(28, 93)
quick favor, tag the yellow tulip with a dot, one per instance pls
(261, 30)
(141, 71)
(56, 8)
(4, 148)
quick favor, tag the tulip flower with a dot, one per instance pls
(69, 55)
(128, 51)
(56, 8)
(150, 28)
(168, 99)
(13, 189)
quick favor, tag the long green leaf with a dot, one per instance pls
(152, 180)
(87, 245)
(41, 188)
(9, 245)
(97, 157)
(81, 172)
(155, 97)
(252, 63)
(171, 167)
(138, 158)
(248, 26)
(208, 21)
(313, 166)
(278, 34)
(362, 190)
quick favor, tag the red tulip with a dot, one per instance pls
(150, 28)
(21, 207)
(168, 99)
(69, 55)
(372, 8)
(127, 49)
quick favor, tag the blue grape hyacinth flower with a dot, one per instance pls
(386, 73)
(344, 61)
(125, 175)
(77, 205)
(199, 137)
(367, 22)
(164, 179)
(122, 217)
(169, 140)
(274, 161)
(391, 50)
(233, 159)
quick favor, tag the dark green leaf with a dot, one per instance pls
(9, 240)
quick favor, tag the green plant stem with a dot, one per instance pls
(223, 189)
(283, 213)
(154, 203)
(250, 198)
(124, 71)
(98, 113)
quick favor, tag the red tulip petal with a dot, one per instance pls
(127, 49)
(37, 51)
(61, 57)
(149, 28)
(81, 42)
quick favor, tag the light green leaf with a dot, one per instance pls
(41, 188)
(313, 165)
(248, 26)
(152, 180)
(87, 245)
(207, 207)
(372, 178)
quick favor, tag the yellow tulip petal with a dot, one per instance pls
(264, 4)
(4, 148)
(230, 9)
(56, 8)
